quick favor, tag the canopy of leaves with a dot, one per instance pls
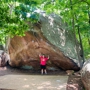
(14, 17)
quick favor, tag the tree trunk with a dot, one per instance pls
(80, 40)
(73, 26)
(89, 42)
(11, 6)
(82, 52)
(89, 23)
(7, 44)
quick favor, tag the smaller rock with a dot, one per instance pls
(85, 75)
(70, 72)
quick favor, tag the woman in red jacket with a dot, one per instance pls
(43, 61)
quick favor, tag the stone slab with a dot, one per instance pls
(33, 82)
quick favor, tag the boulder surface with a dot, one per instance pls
(48, 37)
(85, 75)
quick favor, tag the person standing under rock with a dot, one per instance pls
(43, 61)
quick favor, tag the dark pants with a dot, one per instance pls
(43, 66)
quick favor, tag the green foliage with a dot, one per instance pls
(13, 17)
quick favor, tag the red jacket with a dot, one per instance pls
(43, 60)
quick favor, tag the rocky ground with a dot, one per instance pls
(73, 83)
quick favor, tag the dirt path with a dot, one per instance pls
(15, 79)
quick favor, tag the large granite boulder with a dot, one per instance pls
(85, 75)
(50, 37)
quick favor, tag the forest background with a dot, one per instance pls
(14, 15)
